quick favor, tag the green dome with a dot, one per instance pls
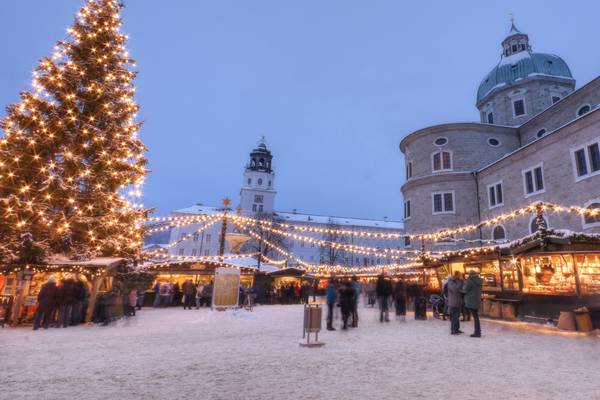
(522, 65)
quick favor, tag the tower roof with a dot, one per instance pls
(518, 62)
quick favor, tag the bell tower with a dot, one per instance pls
(257, 195)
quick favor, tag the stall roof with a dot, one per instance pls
(94, 262)
(292, 271)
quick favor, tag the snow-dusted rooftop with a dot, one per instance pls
(307, 218)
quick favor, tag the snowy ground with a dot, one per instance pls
(177, 354)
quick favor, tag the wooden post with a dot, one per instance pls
(576, 273)
(93, 296)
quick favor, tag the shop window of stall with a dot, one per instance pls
(489, 272)
(510, 275)
(588, 267)
(553, 274)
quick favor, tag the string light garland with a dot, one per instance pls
(364, 250)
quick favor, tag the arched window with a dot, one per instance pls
(442, 161)
(541, 133)
(259, 182)
(583, 110)
(533, 225)
(590, 220)
(261, 162)
(498, 233)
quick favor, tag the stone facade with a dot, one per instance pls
(477, 165)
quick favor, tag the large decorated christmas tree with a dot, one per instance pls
(71, 163)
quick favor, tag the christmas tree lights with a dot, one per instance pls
(71, 162)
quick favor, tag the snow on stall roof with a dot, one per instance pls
(307, 218)
(59, 259)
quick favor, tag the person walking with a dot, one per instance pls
(140, 300)
(156, 290)
(132, 297)
(46, 304)
(454, 286)
(400, 300)
(383, 289)
(189, 292)
(347, 296)
(199, 289)
(472, 291)
(66, 299)
(357, 289)
(331, 294)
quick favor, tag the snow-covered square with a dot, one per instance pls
(202, 354)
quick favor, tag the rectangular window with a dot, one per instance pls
(586, 160)
(407, 209)
(254, 208)
(207, 252)
(181, 251)
(443, 202)
(581, 162)
(442, 161)
(196, 236)
(194, 252)
(495, 195)
(490, 118)
(258, 198)
(408, 170)
(533, 180)
(208, 237)
(260, 208)
(519, 107)
(182, 236)
(406, 242)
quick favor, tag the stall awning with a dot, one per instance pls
(295, 272)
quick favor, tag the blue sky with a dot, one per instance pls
(333, 85)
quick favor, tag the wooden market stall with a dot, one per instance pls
(537, 277)
(20, 284)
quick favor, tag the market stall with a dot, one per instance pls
(21, 284)
(537, 277)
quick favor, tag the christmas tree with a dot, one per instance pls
(71, 163)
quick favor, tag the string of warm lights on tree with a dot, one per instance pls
(71, 162)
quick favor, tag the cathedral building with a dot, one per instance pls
(537, 140)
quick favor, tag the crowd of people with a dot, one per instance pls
(382, 292)
(189, 294)
(61, 305)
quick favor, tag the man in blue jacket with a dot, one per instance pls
(331, 294)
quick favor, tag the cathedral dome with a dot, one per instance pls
(522, 65)
(519, 62)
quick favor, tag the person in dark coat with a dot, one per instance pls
(400, 299)
(79, 294)
(156, 290)
(331, 294)
(347, 296)
(46, 304)
(383, 290)
(472, 291)
(66, 299)
(454, 286)
(189, 294)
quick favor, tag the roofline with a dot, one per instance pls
(450, 126)
(337, 217)
(574, 92)
(593, 111)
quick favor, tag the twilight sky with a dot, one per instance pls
(333, 85)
